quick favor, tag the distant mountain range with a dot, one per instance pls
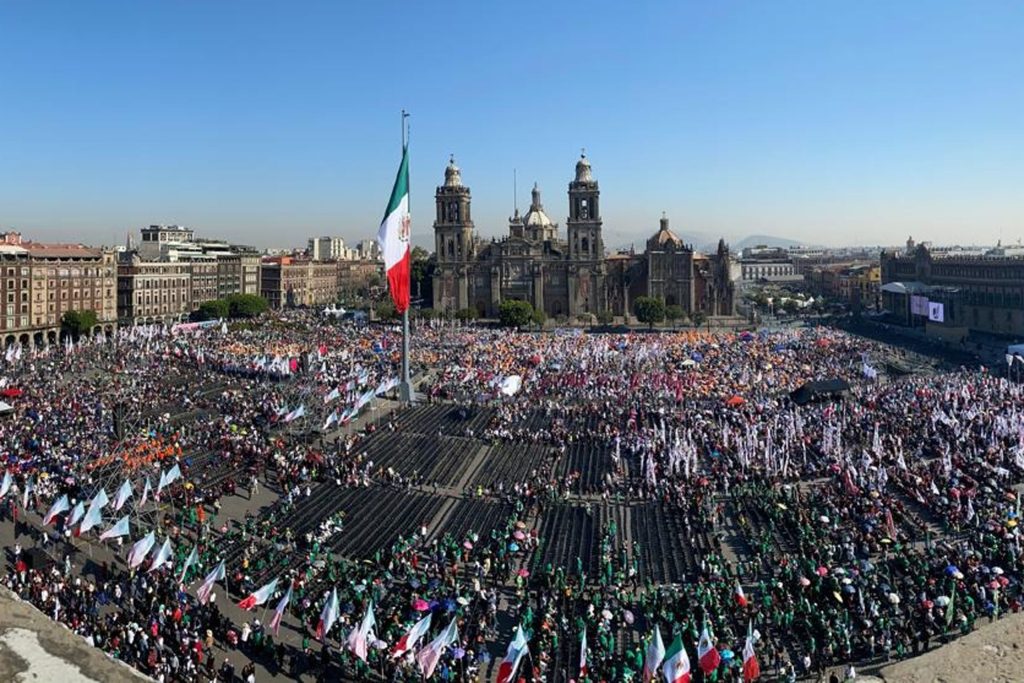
(705, 242)
(708, 243)
(765, 240)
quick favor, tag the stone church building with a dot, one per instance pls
(566, 274)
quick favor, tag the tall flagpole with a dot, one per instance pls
(405, 387)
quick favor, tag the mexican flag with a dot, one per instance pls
(677, 663)
(707, 653)
(751, 669)
(655, 656)
(393, 237)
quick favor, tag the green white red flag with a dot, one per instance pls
(677, 663)
(393, 238)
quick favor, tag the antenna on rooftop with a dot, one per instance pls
(515, 192)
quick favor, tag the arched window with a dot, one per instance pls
(585, 245)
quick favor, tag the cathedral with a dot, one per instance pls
(566, 275)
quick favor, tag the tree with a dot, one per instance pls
(386, 310)
(245, 305)
(212, 310)
(791, 306)
(649, 309)
(674, 313)
(427, 313)
(420, 260)
(698, 318)
(605, 318)
(539, 316)
(515, 313)
(466, 314)
(78, 323)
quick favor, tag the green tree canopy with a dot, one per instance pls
(698, 318)
(78, 323)
(245, 305)
(466, 314)
(674, 313)
(386, 310)
(649, 309)
(515, 313)
(212, 310)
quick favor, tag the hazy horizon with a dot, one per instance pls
(264, 124)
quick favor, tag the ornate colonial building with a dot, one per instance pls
(570, 275)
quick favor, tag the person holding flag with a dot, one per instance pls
(741, 598)
(192, 558)
(431, 654)
(751, 669)
(677, 663)
(141, 548)
(655, 655)
(168, 478)
(282, 605)
(76, 514)
(583, 655)
(408, 642)
(59, 506)
(516, 649)
(94, 515)
(328, 616)
(707, 654)
(162, 556)
(259, 597)
(213, 577)
(359, 638)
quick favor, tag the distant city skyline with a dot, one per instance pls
(831, 124)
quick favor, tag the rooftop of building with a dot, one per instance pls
(12, 243)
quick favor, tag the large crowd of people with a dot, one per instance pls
(861, 527)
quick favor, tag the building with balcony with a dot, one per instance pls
(151, 292)
(41, 282)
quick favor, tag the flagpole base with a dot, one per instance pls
(405, 392)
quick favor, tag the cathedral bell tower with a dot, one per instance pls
(453, 241)
(586, 266)
(584, 224)
(453, 226)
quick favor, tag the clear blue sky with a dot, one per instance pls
(265, 122)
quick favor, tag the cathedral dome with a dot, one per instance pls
(536, 216)
(664, 236)
(452, 174)
(583, 169)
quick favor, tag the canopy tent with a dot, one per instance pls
(11, 392)
(6, 408)
(816, 391)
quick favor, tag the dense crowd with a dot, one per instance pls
(854, 528)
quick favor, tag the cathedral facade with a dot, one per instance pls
(566, 275)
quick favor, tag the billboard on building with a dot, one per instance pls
(918, 305)
(936, 312)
